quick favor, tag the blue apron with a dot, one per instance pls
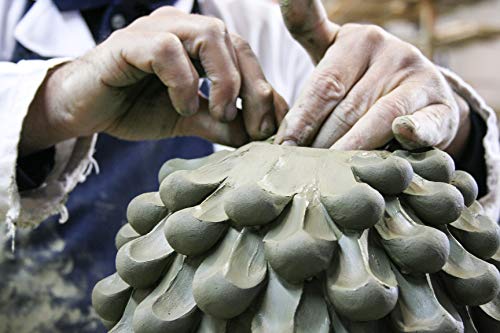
(46, 283)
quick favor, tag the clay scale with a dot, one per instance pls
(285, 239)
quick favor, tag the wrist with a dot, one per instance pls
(44, 124)
(457, 146)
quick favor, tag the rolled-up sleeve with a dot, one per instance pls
(72, 159)
(490, 143)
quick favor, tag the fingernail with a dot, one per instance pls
(289, 143)
(267, 126)
(405, 127)
(405, 131)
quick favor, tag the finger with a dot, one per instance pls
(216, 53)
(434, 125)
(163, 54)
(374, 129)
(309, 25)
(334, 76)
(207, 40)
(280, 107)
(360, 98)
(202, 124)
(256, 93)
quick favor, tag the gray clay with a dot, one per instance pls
(125, 235)
(434, 165)
(141, 261)
(413, 246)
(466, 184)
(303, 242)
(145, 211)
(270, 238)
(110, 296)
(477, 233)
(229, 278)
(355, 276)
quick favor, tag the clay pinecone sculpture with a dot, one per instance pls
(284, 239)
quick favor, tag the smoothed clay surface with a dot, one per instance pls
(286, 239)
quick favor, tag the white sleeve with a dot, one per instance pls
(491, 201)
(18, 86)
(285, 63)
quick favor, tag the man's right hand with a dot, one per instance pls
(141, 83)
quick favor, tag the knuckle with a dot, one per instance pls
(328, 87)
(215, 27)
(263, 90)
(374, 34)
(227, 84)
(351, 26)
(348, 111)
(165, 10)
(242, 46)
(164, 43)
(141, 21)
(407, 56)
(300, 125)
(341, 121)
(120, 34)
(393, 108)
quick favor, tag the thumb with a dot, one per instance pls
(430, 126)
(309, 25)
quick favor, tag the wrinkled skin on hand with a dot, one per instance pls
(368, 87)
(141, 83)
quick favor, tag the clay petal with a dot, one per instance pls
(414, 247)
(272, 318)
(229, 278)
(145, 211)
(389, 176)
(176, 164)
(140, 262)
(170, 307)
(312, 312)
(191, 236)
(466, 184)
(125, 325)
(251, 204)
(418, 309)
(477, 233)
(210, 324)
(303, 241)
(343, 325)
(110, 297)
(495, 259)
(487, 316)
(125, 235)
(468, 279)
(359, 208)
(359, 288)
(181, 190)
(434, 165)
(435, 203)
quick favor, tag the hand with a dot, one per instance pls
(367, 88)
(141, 83)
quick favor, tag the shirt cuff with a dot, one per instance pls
(490, 142)
(33, 169)
(472, 158)
(72, 159)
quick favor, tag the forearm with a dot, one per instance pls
(41, 129)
